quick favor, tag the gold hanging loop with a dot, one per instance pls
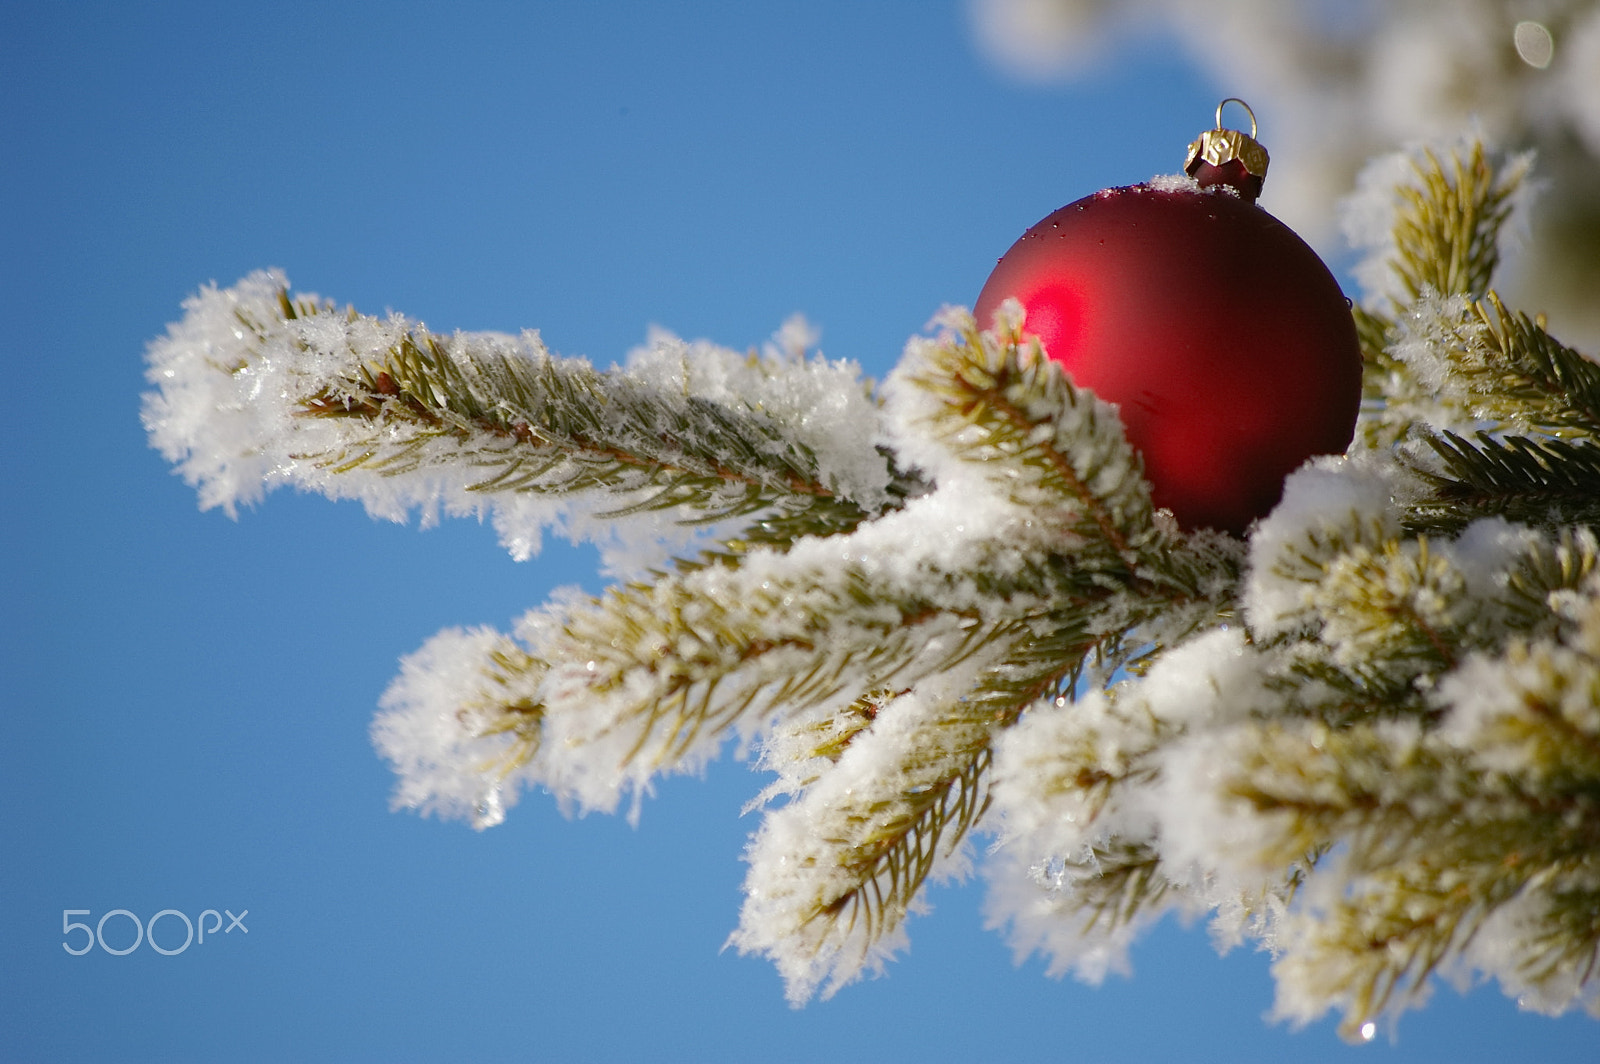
(1228, 156)
(1247, 110)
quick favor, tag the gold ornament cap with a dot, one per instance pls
(1228, 157)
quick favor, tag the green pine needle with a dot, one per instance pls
(1544, 482)
(558, 426)
(1012, 413)
(1447, 231)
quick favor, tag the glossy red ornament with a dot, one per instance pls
(1220, 334)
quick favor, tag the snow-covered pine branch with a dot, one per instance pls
(900, 648)
(1433, 221)
(1367, 739)
(462, 724)
(1501, 416)
(836, 870)
(256, 388)
(1085, 859)
(1327, 781)
(657, 677)
(990, 407)
(1431, 224)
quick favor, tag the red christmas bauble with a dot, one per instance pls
(1220, 334)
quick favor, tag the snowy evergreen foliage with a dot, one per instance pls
(1367, 739)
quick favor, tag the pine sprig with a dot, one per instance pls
(1004, 421)
(902, 838)
(463, 720)
(535, 423)
(1375, 953)
(1447, 229)
(1529, 379)
(1431, 846)
(888, 864)
(1469, 808)
(778, 528)
(1480, 362)
(258, 388)
(506, 708)
(1120, 881)
(1543, 482)
(1068, 781)
(1444, 222)
(995, 409)
(1397, 612)
(835, 872)
(1552, 569)
(1011, 415)
(815, 742)
(1373, 744)
(676, 663)
(1402, 602)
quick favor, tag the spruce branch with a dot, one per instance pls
(1544, 482)
(1093, 765)
(1399, 602)
(1342, 693)
(1077, 783)
(1480, 363)
(1552, 572)
(1529, 379)
(1364, 618)
(1431, 846)
(1442, 220)
(559, 426)
(989, 408)
(257, 387)
(954, 609)
(1447, 226)
(463, 724)
(780, 527)
(995, 412)
(1465, 838)
(656, 674)
(994, 402)
(803, 748)
(899, 838)
(889, 866)
(835, 872)
(1118, 882)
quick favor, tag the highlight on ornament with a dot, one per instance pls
(1166, 584)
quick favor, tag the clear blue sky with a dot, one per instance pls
(186, 698)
